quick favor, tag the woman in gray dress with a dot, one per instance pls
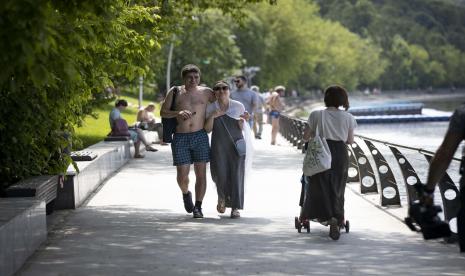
(227, 166)
(324, 200)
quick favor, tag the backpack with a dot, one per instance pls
(169, 124)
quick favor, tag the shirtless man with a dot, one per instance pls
(190, 142)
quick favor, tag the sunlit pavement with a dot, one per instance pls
(136, 225)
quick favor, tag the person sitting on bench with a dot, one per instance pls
(146, 120)
(136, 134)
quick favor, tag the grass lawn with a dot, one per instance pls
(94, 130)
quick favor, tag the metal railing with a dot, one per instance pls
(363, 172)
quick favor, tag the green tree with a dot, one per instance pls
(58, 56)
(452, 60)
(209, 43)
(426, 26)
(272, 38)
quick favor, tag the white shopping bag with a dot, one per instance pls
(318, 156)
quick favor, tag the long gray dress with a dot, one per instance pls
(226, 167)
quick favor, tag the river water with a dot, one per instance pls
(424, 135)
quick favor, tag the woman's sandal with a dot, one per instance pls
(221, 207)
(334, 229)
(139, 156)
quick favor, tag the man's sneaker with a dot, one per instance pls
(198, 212)
(334, 229)
(188, 204)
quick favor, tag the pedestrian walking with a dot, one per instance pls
(275, 106)
(190, 141)
(226, 120)
(245, 96)
(325, 192)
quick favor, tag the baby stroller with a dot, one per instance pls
(302, 222)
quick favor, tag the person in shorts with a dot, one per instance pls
(190, 142)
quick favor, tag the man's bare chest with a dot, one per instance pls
(191, 100)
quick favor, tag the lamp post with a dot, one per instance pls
(141, 90)
(168, 66)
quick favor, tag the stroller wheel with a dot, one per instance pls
(298, 225)
(306, 225)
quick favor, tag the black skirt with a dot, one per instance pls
(324, 195)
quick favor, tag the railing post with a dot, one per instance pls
(353, 167)
(389, 190)
(367, 176)
(410, 176)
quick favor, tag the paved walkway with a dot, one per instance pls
(136, 225)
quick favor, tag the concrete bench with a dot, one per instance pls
(23, 228)
(112, 154)
(80, 184)
(42, 187)
(151, 137)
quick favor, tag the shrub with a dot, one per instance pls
(57, 58)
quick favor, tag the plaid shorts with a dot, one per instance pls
(188, 148)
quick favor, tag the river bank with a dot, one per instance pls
(443, 101)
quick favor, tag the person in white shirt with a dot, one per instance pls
(325, 192)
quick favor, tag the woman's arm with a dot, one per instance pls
(241, 123)
(350, 137)
(208, 126)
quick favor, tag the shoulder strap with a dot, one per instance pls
(322, 121)
(175, 92)
(229, 134)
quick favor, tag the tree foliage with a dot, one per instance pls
(294, 46)
(207, 41)
(58, 56)
(424, 40)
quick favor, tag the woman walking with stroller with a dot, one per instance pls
(324, 200)
(225, 117)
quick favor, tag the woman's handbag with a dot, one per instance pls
(169, 124)
(120, 128)
(318, 156)
(239, 144)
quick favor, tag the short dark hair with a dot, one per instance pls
(242, 77)
(121, 103)
(336, 96)
(189, 68)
